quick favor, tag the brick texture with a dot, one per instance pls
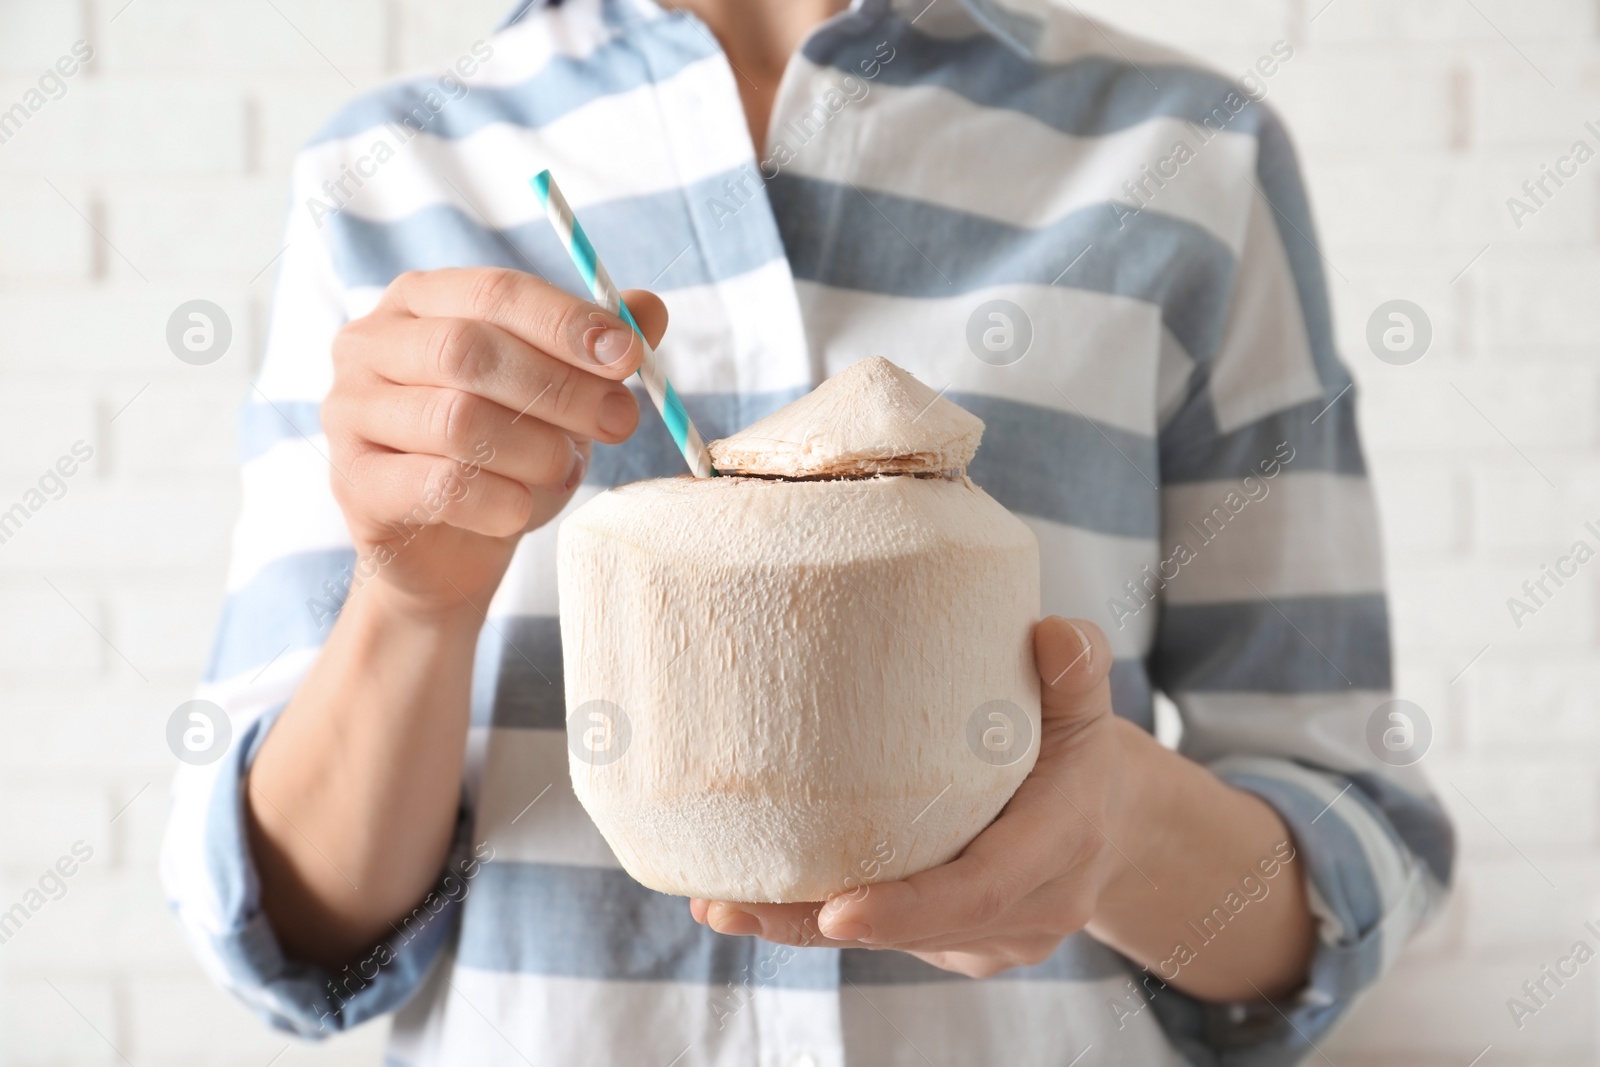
(159, 176)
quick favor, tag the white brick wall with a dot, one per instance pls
(175, 142)
(1415, 120)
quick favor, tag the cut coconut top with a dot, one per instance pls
(871, 418)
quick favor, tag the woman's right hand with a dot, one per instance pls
(462, 414)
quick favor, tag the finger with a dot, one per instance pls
(464, 427)
(969, 964)
(785, 924)
(960, 897)
(1047, 915)
(1025, 847)
(397, 494)
(1074, 660)
(573, 330)
(987, 959)
(476, 357)
(649, 311)
(730, 919)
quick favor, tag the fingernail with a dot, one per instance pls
(618, 412)
(737, 924)
(607, 343)
(1088, 646)
(576, 471)
(847, 931)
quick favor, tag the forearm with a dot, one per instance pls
(354, 794)
(1191, 897)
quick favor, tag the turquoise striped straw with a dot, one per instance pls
(609, 297)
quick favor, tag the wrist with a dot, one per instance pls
(1137, 825)
(380, 605)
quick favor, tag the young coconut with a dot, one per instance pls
(813, 672)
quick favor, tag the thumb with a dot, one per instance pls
(649, 312)
(1074, 660)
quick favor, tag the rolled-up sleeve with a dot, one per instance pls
(212, 886)
(290, 570)
(1274, 640)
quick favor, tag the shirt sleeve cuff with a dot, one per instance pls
(237, 944)
(1367, 891)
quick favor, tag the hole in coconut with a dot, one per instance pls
(853, 476)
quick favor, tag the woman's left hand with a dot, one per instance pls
(1029, 880)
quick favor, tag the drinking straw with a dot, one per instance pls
(609, 297)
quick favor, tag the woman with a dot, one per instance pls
(1102, 251)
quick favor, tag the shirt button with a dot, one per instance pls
(802, 1059)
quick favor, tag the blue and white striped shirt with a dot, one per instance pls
(1178, 432)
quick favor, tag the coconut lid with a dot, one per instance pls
(871, 418)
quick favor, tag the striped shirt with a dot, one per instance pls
(1099, 248)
